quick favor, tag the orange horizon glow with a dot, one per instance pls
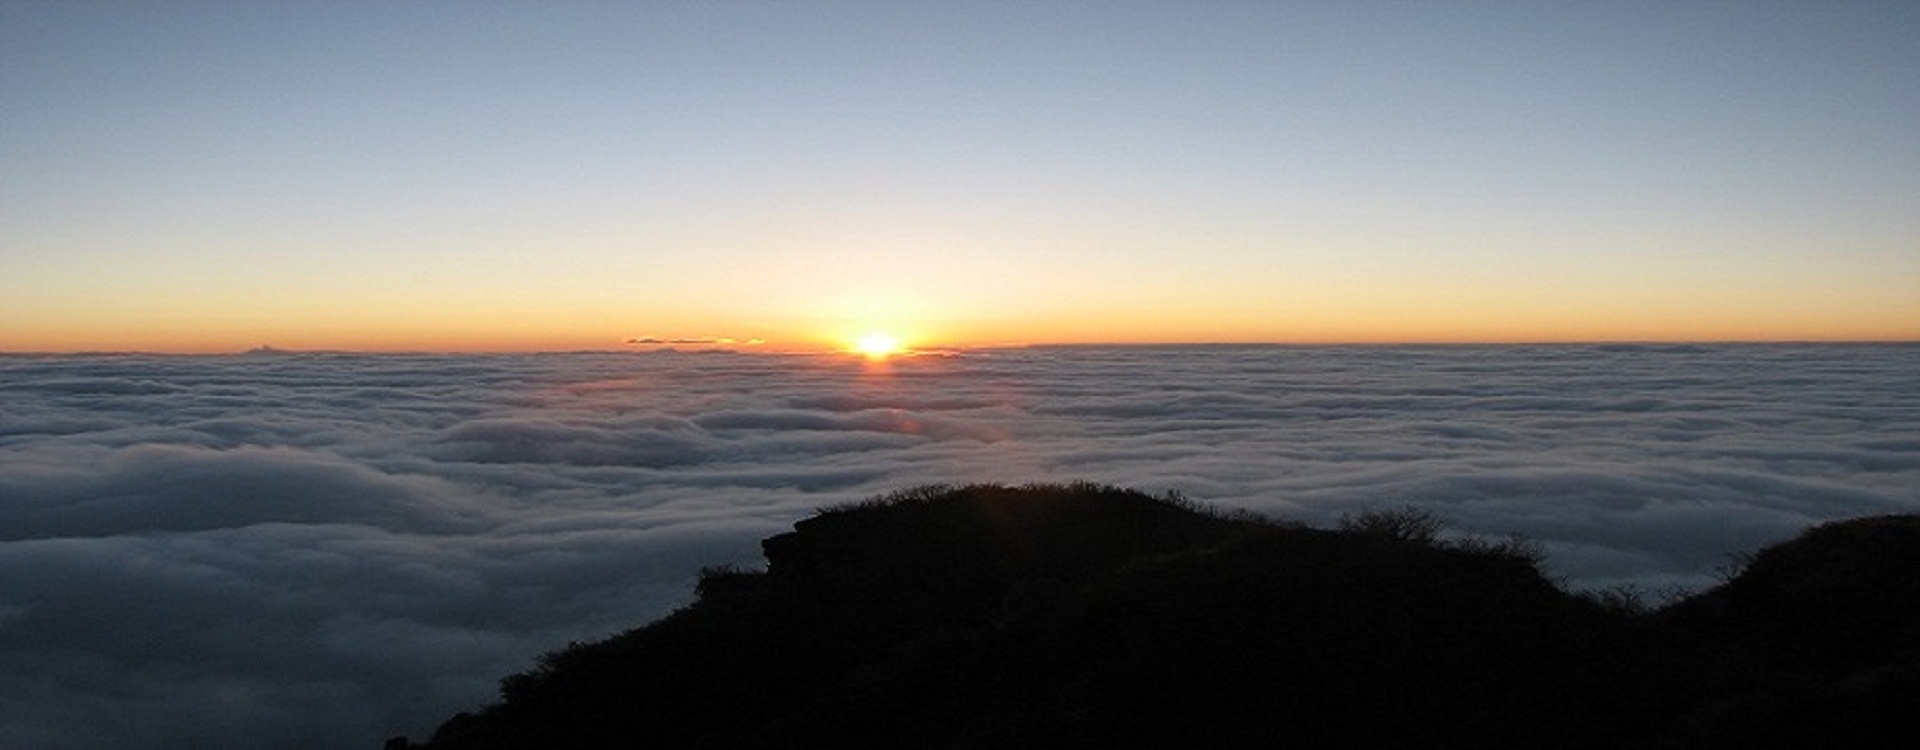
(798, 324)
(883, 346)
(1334, 214)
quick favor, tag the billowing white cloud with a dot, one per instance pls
(284, 550)
(159, 487)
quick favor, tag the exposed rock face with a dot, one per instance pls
(1088, 616)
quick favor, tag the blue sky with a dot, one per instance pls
(510, 175)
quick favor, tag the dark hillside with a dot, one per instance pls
(1090, 616)
(1815, 644)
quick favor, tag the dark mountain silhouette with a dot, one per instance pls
(1092, 616)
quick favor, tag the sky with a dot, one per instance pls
(207, 176)
(326, 550)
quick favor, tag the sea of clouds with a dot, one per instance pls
(324, 550)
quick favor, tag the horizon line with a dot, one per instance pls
(695, 348)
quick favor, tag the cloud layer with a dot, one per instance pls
(325, 550)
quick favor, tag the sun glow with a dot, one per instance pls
(877, 345)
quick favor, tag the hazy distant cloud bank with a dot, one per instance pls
(696, 341)
(324, 550)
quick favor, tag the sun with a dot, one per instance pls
(877, 345)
